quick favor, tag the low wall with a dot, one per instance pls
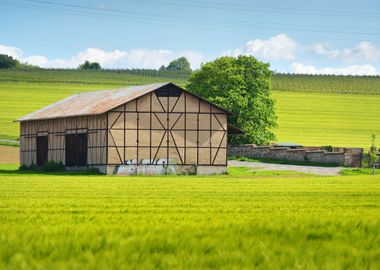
(342, 156)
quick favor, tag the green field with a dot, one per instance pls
(327, 119)
(308, 117)
(189, 222)
(365, 85)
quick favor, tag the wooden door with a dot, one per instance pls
(76, 149)
(81, 149)
(42, 150)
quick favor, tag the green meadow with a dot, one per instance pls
(309, 117)
(237, 221)
(327, 119)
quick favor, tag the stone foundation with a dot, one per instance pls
(349, 157)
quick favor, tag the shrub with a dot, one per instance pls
(52, 166)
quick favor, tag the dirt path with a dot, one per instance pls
(9, 155)
(326, 171)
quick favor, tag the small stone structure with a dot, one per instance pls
(342, 156)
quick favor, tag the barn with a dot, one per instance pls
(150, 129)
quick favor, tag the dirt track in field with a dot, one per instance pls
(9, 155)
(256, 166)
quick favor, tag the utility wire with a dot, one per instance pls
(249, 7)
(79, 10)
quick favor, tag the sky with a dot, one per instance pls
(294, 36)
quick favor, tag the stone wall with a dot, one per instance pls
(342, 156)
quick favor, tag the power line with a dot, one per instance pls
(136, 16)
(197, 19)
(248, 7)
(194, 19)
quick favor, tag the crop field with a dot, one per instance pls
(327, 119)
(188, 222)
(306, 117)
(365, 85)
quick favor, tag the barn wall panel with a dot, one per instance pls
(192, 103)
(55, 129)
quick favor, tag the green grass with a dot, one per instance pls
(10, 143)
(359, 171)
(327, 119)
(189, 222)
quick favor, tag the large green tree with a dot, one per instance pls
(242, 86)
(180, 65)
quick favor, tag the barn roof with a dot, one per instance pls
(98, 102)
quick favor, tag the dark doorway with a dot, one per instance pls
(76, 149)
(42, 150)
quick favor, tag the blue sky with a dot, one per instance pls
(337, 37)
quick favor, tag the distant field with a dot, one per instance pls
(365, 85)
(305, 116)
(327, 119)
(188, 222)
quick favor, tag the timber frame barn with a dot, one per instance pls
(151, 129)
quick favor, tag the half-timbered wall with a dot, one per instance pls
(180, 128)
(56, 129)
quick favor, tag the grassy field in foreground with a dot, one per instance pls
(189, 222)
(307, 118)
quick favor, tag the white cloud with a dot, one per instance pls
(365, 51)
(348, 70)
(11, 51)
(136, 58)
(279, 47)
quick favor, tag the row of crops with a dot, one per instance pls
(280, 82)
(327, 84)
(74, 76)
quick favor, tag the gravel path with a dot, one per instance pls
(326, 171)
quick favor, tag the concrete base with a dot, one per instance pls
(150, 169)
(155, 169)
(207, 170)
(162, 170)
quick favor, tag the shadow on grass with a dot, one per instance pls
(18, 172)
(11, 169)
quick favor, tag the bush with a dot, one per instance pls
(50, 166)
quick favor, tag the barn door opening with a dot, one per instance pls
(76, 149)
(42, 150)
